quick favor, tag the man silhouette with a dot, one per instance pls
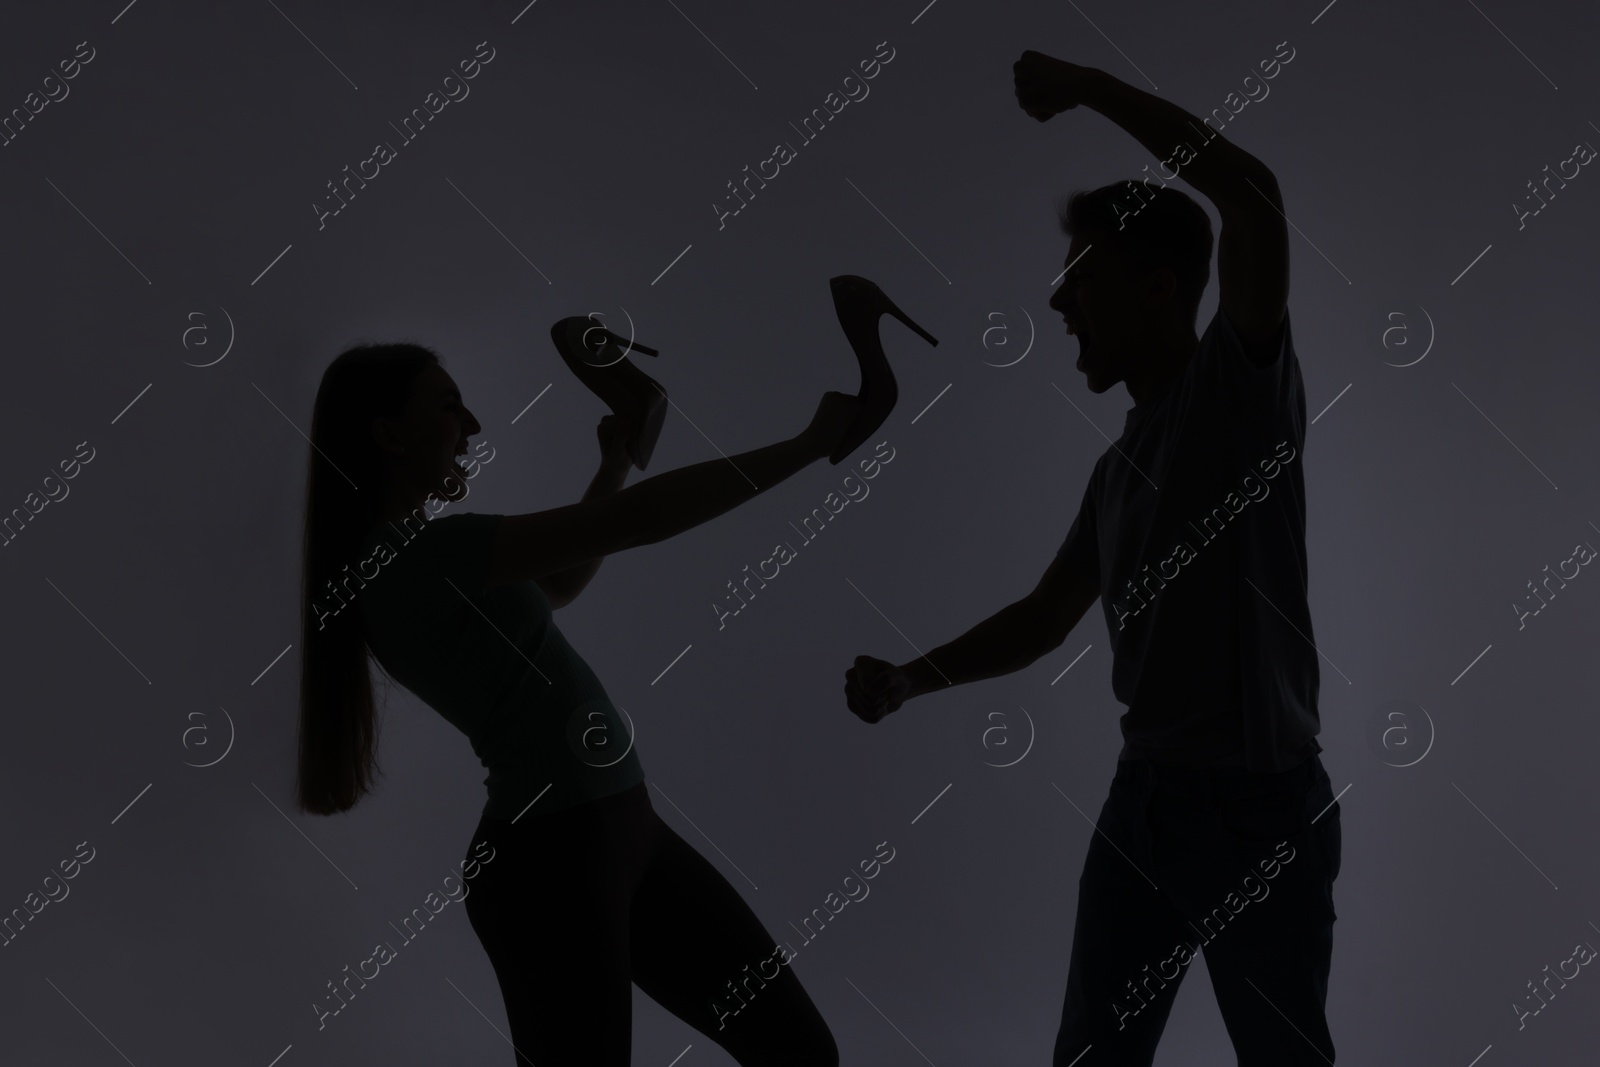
(1220, 835)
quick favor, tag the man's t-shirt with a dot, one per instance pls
(493, 663)
(1193, 523)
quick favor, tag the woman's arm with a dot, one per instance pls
(563, 587)
(547, 542)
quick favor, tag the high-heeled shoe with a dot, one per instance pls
(859, 304)
(599, 358)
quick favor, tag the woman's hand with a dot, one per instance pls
(1047, 86)
(834, 416)
(613, 433)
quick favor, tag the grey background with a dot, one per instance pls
(159, 591)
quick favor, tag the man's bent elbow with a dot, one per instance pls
(1258, 183)
(1047, 628)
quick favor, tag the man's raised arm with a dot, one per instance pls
(1253, 250)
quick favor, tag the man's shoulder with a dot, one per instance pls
(1254, 356)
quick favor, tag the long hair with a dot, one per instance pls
(1155, 225)
(345, 481)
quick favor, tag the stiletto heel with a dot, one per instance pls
(630, 393)
(859, 304)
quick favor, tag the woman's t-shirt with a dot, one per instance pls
(493, 663)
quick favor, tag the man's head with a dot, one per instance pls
(1140, 258)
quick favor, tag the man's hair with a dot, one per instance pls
(1153, 226)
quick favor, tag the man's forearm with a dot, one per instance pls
(1215, 166)
(1007, 641)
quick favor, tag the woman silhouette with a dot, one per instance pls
(580, 889)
